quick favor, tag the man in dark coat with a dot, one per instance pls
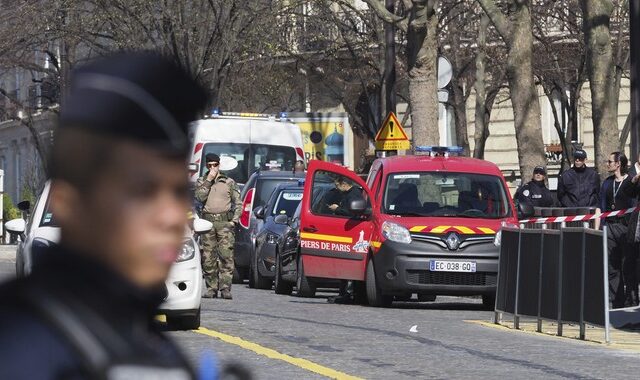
(120, 195)
(579, 186)
(535, 192)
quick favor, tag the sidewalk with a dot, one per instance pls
(8, 252)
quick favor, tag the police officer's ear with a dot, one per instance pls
(65, 203)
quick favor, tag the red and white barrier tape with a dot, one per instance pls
(581, 218)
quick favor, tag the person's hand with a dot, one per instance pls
(333, 207)
(211, 175)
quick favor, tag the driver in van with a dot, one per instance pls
(338, 199)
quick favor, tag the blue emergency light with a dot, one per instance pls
(283, 115)
(215, 112)
(301, 182)
(439, 150)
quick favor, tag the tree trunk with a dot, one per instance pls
(481, 132)
(423, 80)
(516, 31)
(601, 70)
(459, 102)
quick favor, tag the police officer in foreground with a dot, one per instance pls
(120, 195)
(535, 192)
(221, 199)
(580, 185)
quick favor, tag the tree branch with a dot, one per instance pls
(378, 7)
(498, 19)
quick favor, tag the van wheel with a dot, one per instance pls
(259, 281)
(252, 283)
(186, 322)
(304, 287)
(489, 301)
(374, 294)
(281, 286)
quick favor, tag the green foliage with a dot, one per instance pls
(9, 210)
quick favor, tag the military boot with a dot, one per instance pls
(226, 294)
(210, 293)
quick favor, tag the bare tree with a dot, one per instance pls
(515, 31)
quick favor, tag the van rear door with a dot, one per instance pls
(334, 237)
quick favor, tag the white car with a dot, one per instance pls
(184, 284)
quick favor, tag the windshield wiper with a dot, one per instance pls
(410, 213)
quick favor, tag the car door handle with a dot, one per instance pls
(310, 229)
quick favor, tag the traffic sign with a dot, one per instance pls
(391, 135)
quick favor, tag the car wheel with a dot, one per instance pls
(237, 278)
(426, 297)
(489, 301)
(304, 287)
(186, 322)
(374, 294)
(281, 286)
(259, 281)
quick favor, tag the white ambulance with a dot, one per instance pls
(255, 141)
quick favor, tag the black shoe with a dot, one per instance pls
(343, 299)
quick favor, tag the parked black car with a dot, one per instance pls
(281, 205)
(255, 193)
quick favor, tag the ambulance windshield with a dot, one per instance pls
(446, 195)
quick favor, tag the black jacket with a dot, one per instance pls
(535, 193)
(112, 313)
(579, 188)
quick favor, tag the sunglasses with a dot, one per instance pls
(611, 162)
(213, 165)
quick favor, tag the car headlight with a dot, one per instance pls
(396, 232)
(497, 240)
(187, 251)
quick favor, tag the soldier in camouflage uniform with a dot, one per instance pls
(221, 199)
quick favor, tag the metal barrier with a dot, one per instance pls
(556, 275)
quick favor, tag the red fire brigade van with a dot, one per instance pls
(422, 225)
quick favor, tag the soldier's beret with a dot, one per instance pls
(140, 96)
(212, 157)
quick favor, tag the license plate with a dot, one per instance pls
(452, 266)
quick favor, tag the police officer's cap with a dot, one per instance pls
(139, 96)
(580, 154)
(539, 170)
(212, 157)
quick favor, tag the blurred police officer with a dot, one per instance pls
(579, 186)
(617, 193)
(222, 207)
(535, 192)
(120, 195)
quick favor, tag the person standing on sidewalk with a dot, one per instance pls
(221, 199)
(617, 193)
(535, 192)
(578, 186)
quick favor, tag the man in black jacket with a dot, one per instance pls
(579, 186)
(120, 195)
(535, 192)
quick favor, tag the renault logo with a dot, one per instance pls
(453, 241)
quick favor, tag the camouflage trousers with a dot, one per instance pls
(217, 255)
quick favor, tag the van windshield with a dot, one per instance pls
(252, 157)
(446, 195)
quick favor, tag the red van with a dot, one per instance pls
(422, 225)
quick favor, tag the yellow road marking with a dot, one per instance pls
(620, 339)
(486, 230)
(417, 228)
(332, 238)
(273, 354)
(465, 230)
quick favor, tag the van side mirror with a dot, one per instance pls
(259, 212)
(201, 226)
(525, 210)
(358, 206)
(281, 219)
(24, 206)
(16, 226)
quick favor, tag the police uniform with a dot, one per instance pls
(578, 187)
(75, 317)
(222, 207)
(535, 193)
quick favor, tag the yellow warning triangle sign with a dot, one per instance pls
(391, 130)
(391, 135)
